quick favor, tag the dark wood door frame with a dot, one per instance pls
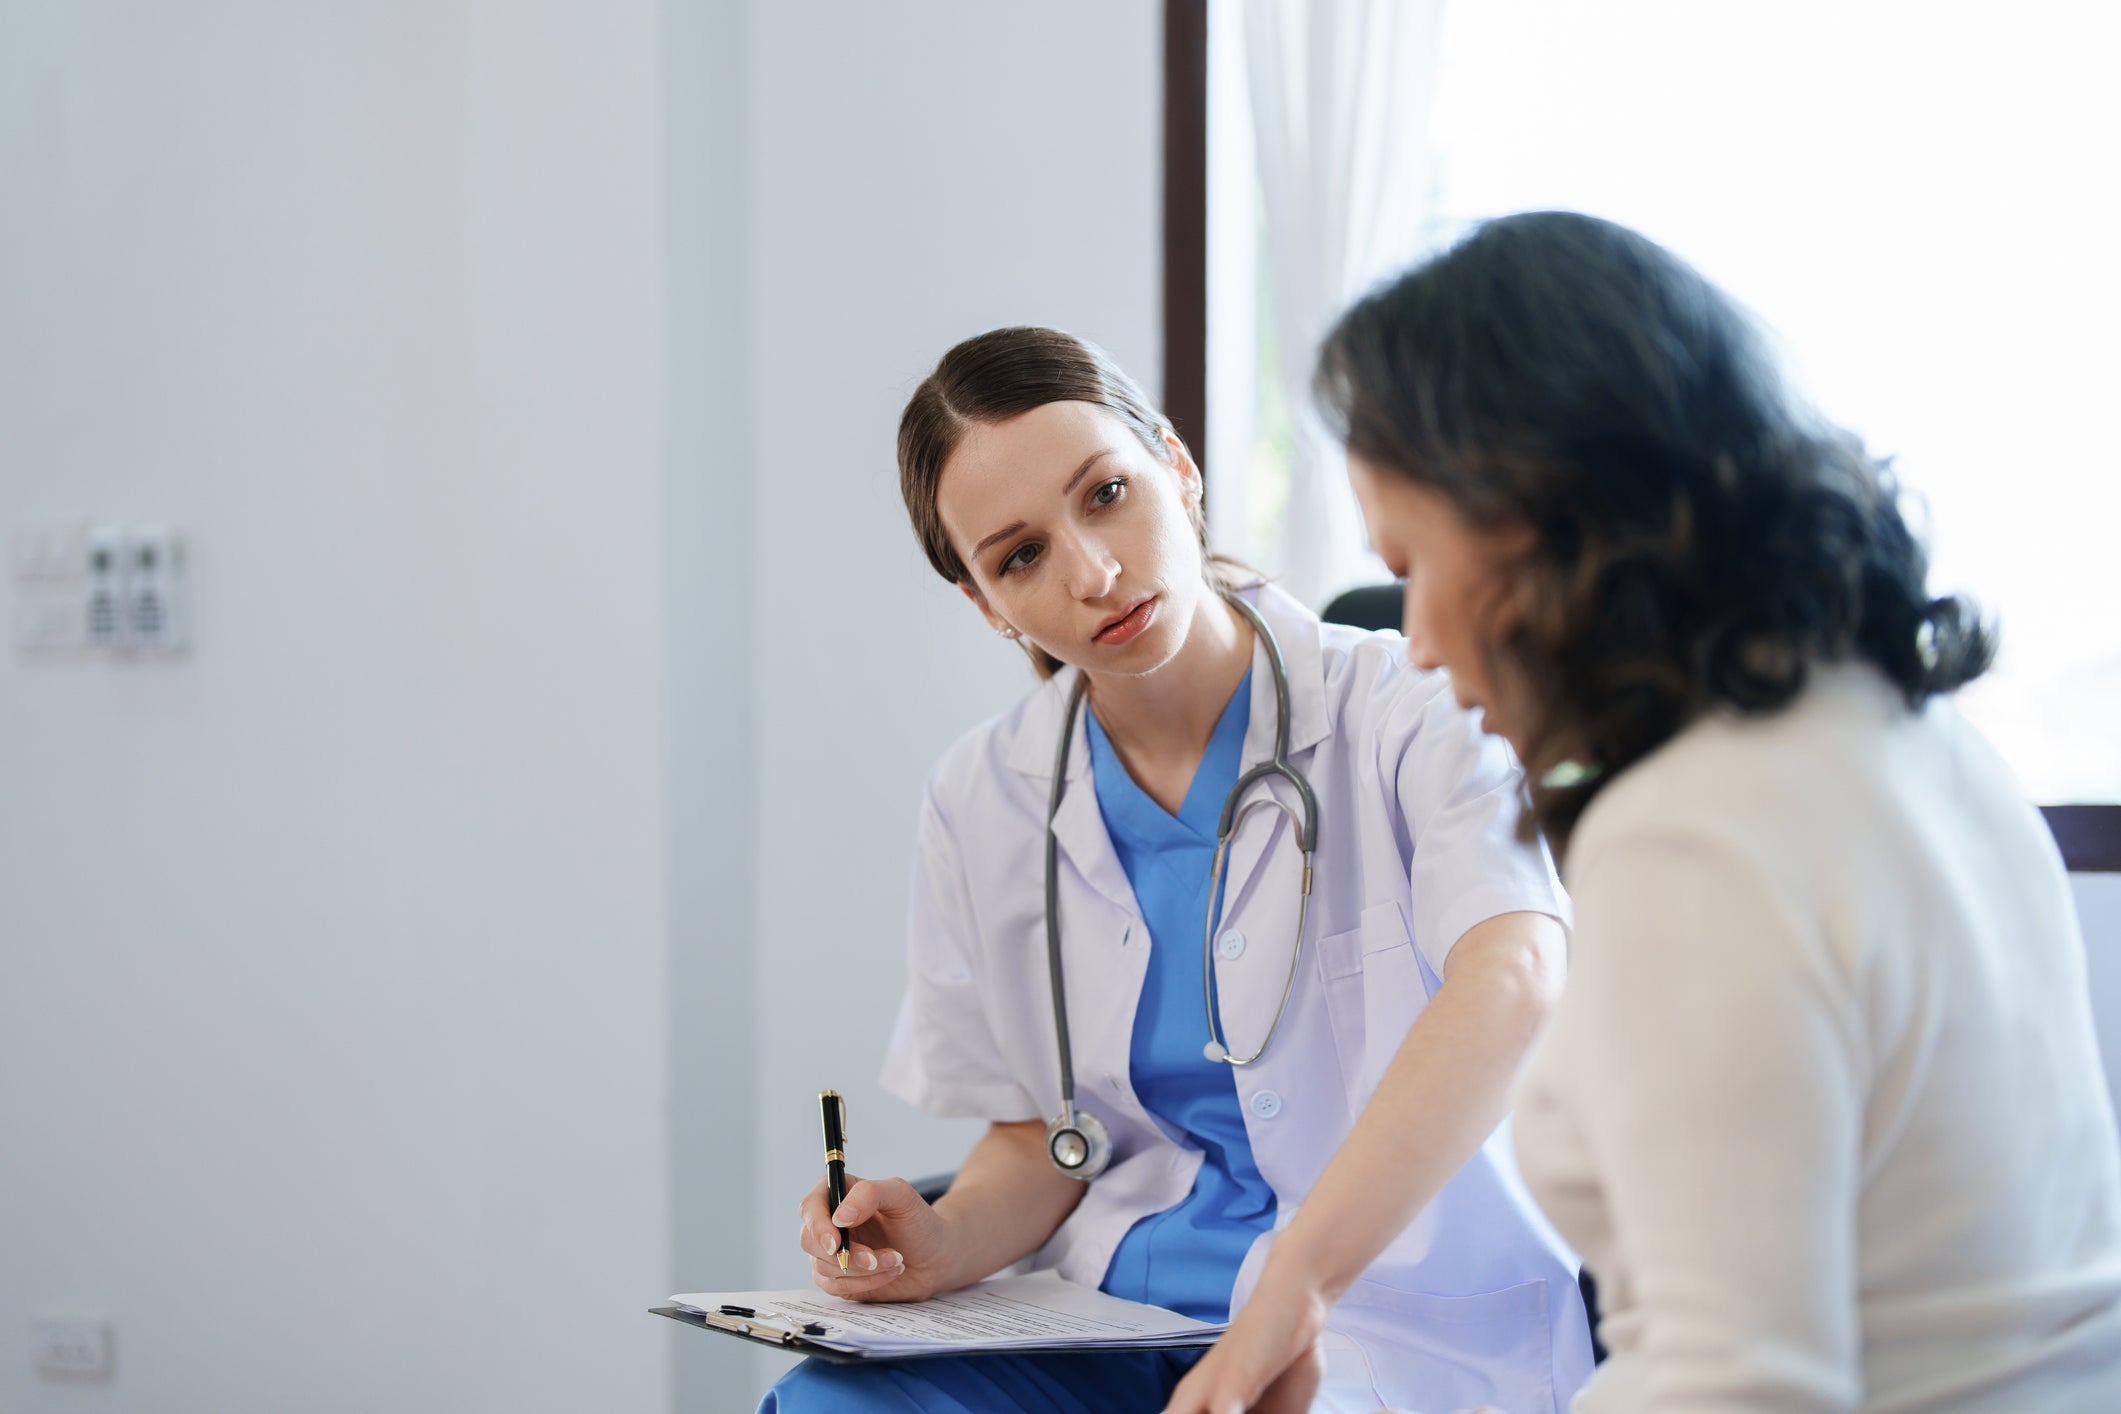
(2090, 835)
(1186, 222)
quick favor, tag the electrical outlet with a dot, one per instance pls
(79, 1349)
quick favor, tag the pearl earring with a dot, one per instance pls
(1007, 633)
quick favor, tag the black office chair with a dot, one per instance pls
(1373, 606)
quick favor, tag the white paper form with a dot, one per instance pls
(1039, 1312)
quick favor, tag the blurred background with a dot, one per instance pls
(470, 681)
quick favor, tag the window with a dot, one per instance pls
(1916, 201)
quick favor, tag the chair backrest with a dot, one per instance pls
(1373, 606)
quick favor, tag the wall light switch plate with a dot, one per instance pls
(50, 621)
(47, 552)
(98, 590)
(71, 1348)
(104, 547)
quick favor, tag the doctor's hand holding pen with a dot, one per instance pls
(1005, 1201)
(899, 1246)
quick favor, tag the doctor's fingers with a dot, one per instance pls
(815, 1214)
(865, 1265)
(822, 1239)
(869, 1198)
(897, 1284)
(815, 1207)
(823, 1243)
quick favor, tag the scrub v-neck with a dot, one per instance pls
(1186, 1257)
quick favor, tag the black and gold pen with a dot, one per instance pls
(835, 1110)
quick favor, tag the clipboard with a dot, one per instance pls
(776, 1336)
(767, 1333)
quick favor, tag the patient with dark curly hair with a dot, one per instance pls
(1822, 1107)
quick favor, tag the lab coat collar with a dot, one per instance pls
(1297, 630)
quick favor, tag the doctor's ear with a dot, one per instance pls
(994, 621)
(1189, 477)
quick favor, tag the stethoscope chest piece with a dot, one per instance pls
(1079, 1145)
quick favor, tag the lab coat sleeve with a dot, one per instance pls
(1460, 795)
(943, 1057)
(1715, 1062)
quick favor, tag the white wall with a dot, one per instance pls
(710, 597)
(332, 1041)
(496, 821)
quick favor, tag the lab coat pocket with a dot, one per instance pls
(1340, 969)
(1495, 1348)
(1393, 990)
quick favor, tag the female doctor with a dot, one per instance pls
(1283, 1094)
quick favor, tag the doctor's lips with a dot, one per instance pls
(1120, 628)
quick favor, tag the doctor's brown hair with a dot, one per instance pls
(1701, 537)
(999, 375)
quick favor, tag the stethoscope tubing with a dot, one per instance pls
(1306, 821)
(1053, 950)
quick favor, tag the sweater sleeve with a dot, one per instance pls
(1716, 1069)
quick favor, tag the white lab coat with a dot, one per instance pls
(1476, 1303)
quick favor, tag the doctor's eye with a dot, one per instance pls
(1020, 557)
(1110, 491)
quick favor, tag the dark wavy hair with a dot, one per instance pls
(1702, 538)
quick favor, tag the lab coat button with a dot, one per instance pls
(1266, 1104)
(1233, 944)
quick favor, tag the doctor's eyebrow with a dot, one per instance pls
(1008, 530)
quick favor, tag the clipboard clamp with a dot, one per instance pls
(742, 1320)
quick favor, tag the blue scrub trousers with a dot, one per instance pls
(1119, 1383)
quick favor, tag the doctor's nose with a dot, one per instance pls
(1091, 570)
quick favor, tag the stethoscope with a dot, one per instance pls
(1077, 1142)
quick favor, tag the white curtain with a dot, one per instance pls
(1341, 94)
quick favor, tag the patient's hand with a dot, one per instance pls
(900, 1247)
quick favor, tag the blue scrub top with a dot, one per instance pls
(1186, 1257)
